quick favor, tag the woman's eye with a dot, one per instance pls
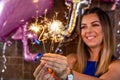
(82, 27)
(95, 25)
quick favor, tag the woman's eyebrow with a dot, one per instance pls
(83, 24)
(95, 22)
(91, 22)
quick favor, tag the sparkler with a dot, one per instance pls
(54, 29)
(48, 30)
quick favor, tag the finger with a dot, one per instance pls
(57, 69)
(51, 78)
(56, 60)
(52, 62)
(41, 73)
(46, 76)
(54, 56)
(56, 64)
(38, 69)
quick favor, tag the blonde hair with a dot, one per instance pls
(106, 52)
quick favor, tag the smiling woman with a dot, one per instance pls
(91, 30)
(96, 39)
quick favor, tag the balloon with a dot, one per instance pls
(116, 3)
(15, 13)
(23, 35)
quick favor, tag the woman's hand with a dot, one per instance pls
(42, 72)
(58, 64)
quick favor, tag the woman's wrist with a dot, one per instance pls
(65, 74)
(70, 76)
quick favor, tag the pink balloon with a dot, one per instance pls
(23, 34)
(15, 13)
(28, 56)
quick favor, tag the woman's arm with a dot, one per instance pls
(113, 73)
(61, 66)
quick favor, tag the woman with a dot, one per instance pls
(94, 59)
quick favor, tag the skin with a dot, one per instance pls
(92, 35)
(42, 70)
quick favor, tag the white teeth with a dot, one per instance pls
(90, 37)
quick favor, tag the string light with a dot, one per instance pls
(3, 61)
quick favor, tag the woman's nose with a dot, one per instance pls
(89, 29)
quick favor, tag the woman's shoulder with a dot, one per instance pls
(113, 72)
(115, 62)
(115, 65)
(72, 57)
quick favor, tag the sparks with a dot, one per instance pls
(48, 29)
(55, 26)
(35, 28)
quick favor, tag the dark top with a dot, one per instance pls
(91, 68)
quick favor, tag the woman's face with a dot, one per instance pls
(91, 31)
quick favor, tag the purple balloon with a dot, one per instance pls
(15, 13)
(23, 34)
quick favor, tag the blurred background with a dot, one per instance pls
(19, 69)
